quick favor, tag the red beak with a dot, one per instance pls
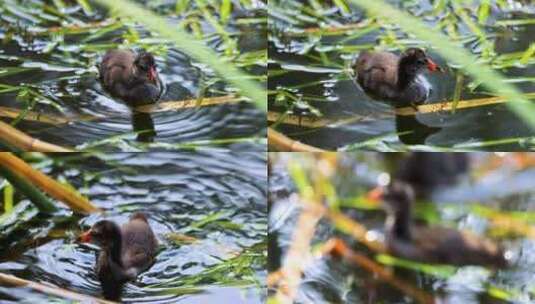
(375, 195)
(152, 74)
(85, 237)
(432, 66)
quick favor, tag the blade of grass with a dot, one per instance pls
(441, 271)
(225, 10)
(281, 142)
(31, 192)
(73, 199)
(8, 197)
(459, 82)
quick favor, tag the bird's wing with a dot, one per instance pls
(139, 244)
(450, 246)
(116, 66)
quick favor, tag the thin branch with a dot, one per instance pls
(70, 197)
(21, 140)
(188, 103)
(450, 105)
(282, 143)
(12, 280)
(298, 255)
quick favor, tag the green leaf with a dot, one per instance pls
(342, 5)
(226, 8)
(441, 271)
(8, 197)
(483, 12)
(86, 7)
(181, 6)
(208, 219)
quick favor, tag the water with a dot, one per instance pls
(331, 280)
(329, 111)
(176, 191)
(59, 69)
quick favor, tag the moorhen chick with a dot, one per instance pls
(432, 244)
(130, 77)
(393, 78)
(125, 252)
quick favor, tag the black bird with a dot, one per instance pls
(130, 77)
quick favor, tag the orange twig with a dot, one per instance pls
(298, 254)
(282, 143)
(338, 247)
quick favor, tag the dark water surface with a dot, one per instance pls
(217, 198)
(52, 65)
(313, 70)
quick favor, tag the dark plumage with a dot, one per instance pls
(432, 244)
(125, 252)
(130, 77)
(390, 77)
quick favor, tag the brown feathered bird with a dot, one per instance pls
(432, 244)
(125, 251)
(130, 77)
(389, 77)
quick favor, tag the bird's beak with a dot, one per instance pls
(85, 237)
(432, 66)
(376, 195)
(152, 74)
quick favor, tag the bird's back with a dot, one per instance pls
(443, 245)
(376, 68)
(116, 67)
(139, 244)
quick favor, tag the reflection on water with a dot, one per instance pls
(178, 192)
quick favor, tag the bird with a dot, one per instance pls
(131, 77)
(392, 78)
(125, 251)
(432, 244)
